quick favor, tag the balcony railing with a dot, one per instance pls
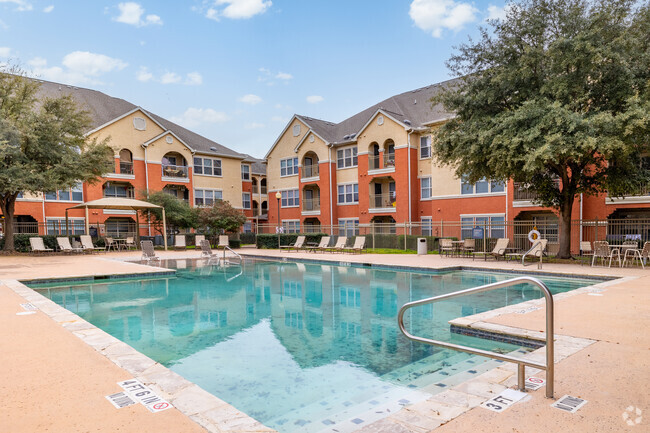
(126, 167)
(169, 170)
(641, 191)
(310, 204)
(383, 201)
(309, 171)
(256, 189)
(523, 194)
(375, 161)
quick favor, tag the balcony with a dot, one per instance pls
(383, 202)
(256, 189)
(309, 171)
(311, 206)
(641, 194)
(175, 171)
(521, 194)
(374, 162)
(382, 163)
(389, 160)
(126, 167)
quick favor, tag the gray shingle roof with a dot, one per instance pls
(258, 166)
(413, 106)
(104, 108)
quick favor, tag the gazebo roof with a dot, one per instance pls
(116, 203)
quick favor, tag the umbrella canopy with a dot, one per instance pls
(121, 204)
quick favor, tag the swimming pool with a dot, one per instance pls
(298, 346)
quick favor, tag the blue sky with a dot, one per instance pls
(236, 70)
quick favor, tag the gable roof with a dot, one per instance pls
(104, 109)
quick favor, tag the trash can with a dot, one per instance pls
(422, 246)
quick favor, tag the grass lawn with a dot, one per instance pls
(392, 251)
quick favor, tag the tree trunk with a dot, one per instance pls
(565, 228)
(7, 206)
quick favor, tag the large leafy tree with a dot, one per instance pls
(178, 213)
(557, 90)
(42, 145)
(220, 218)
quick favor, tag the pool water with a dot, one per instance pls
(300, 347)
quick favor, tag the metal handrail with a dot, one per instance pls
(541, 254)
(521, 363)
(231, 250)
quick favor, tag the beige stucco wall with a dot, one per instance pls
(123, 135)
(318, 147)
(284, 149)
(346, 175)
(381, 133)
(229, 183)
(157, 149)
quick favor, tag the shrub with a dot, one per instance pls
(247, 238)
(270, 241)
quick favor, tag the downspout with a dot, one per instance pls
(408, 164)
(581, 201)
(146, 179)
(329, 166)
(44, 220)
(506, 218)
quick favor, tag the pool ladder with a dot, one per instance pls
(521, 363)
(231, 250)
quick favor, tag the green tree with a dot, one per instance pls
(221, 217)
(559, 89)
(178, 213)
(42, 145)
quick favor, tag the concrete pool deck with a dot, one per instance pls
(55, 382)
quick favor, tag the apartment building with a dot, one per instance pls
(378, 167)
(151, 154)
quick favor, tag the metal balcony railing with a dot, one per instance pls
(386, 201)
(374, 162)
(126, 167)
(389, 160)
(522, 194)
(310, 204)
(169, 170)
(309, 171)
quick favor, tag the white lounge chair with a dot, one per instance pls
(198, 239)
(322, 245)
(300, 240)
(179, 242)
(359, 245)
(339, 245)
(499, 250)
(536, 251)
(206, 250)
(38, 246)
(87, 244)
(64, 245)
(148, 253)
(223, 242)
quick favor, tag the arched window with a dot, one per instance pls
(126, 161)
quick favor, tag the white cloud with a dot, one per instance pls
(131, 13)
(237, 9)
(38, 62)
(21, 5)
(283, 76)
(170, 78)
(5, 51)
(254, 125)
(91, 63)
(314, 99)
(143, 74)
(497, 13)
(279, 119)
(250, 99)
(197, 116)
(48, 9)
(437, 15)
(193, 79)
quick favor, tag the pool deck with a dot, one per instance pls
(54, 381)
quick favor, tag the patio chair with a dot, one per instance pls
(536, 251)
(206, 250)
(468, 247)
(359, 245)
(499, 250)
(130, 243)
(38, 246)
(323, 244)
(446, 246)
(64, 245)
(641, 254)
(179, 242)
(198, 239)
(112, 243)
(148, 253)
(223, 242)
(300, 240)
(585, 251)
(87, 244)
(603, 251)
(339, 245)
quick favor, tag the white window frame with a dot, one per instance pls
(245, 174)
(349, 225)
(346, 193)
(78, 187)
(213, 162)
(243, 200)
(423, 189)
(428, 140)
(491, 184)
(291, 226)
(60, 223)
(354, 157)
(427, 226)
(295, 167)
(203, 197)
(492, 226)
(294, 199)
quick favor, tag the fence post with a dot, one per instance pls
(404, 236)
(596, 229)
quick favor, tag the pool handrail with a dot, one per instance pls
(521, 363)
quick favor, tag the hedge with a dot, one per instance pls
(270, 241)
(247, 238)
(21, 242)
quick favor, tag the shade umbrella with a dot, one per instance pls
(121, 204)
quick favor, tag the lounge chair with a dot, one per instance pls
(339, 246)
(536, 251)
(179, 242)
(641, 254)
(322, 245)
(198, 239)
(148, 253)
(446, 246)
(224, 242)
(499, 250)
(87, 244)
(112, 243)
(603, 251)
(206, 250)
(300, 240)
(64, 245)
(38, 246)
(585, 251)
(359, 245)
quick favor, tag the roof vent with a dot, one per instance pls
(352, 135)
(408, 122)
(346, 137)
(415, 101)
(214, 149)
(139, 123)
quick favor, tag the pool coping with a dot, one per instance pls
(215, 415)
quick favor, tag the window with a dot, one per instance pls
(425, 188)
(427, 227)
(206, 197)
(349, 227)
(245, 172)
(292, 289)
(290, 198)
(350, 297)
(207, 166)
(483, 186)
(118, 190)
(289, 167)
(346, 158)
(494, 225)
(246, 200)
(291, 226)
(425, 147)
(349, 193)
(72, 194)
(248, 227)
(56, 226)
(20, 195)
